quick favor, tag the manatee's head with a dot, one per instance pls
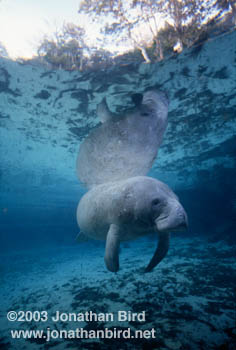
(168, 214)
(158, 206)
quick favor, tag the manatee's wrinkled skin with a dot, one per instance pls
(123, 146)
(127, 209)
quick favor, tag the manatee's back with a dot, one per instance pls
(123, 147)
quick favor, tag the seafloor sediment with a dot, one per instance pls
(188, 299)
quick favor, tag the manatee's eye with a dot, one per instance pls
(155, 202)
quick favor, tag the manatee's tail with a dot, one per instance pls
(161, 250)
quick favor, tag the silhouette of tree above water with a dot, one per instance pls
(132, 20)
(152, 27)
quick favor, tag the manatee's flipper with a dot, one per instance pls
(103, 111)
(81, 237)
(112, 249)
(161, 250)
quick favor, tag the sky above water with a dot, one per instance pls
(24, 22)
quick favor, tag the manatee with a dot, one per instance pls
(127, 209)
(123, 146)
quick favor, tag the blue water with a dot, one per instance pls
(188, 300)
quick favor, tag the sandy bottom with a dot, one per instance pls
(188, 300)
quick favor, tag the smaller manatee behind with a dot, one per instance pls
(123, 146)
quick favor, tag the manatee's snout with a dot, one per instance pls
(181, 220)
(156, 97)
(174, 219)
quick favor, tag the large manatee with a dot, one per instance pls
(123, 146)
(127, 209)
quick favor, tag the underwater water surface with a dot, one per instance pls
(188, 301)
